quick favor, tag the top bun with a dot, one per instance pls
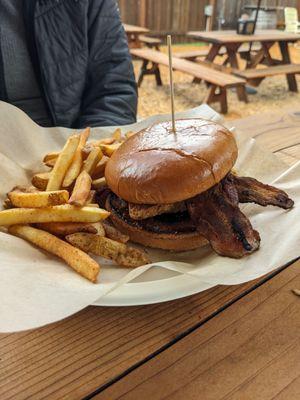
(156, 166)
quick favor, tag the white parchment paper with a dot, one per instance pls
(37, 289)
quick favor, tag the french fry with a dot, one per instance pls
(113, 233)
(81, 190)
(91, 197)
(109, 149)
(62, 164)
(86, 150)
(129, 134)
(64, 213)
(99, 228)
(38, 199)
(101, 246)
(92, 160)
(76, 164)
(50, 163)
(98, 183)
(92, 205)
(50, 156)
(117, 135)
(75, 258)
(100, 168)
(68, 228)
(7, 204)
(41, 180)
(97, 143)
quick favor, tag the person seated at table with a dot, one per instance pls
(66, 63)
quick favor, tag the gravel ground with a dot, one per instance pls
(272, 93)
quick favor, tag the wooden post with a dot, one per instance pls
(169, 41)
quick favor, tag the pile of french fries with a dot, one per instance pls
(58, 213)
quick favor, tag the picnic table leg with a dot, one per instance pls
(286, 59)
(241, 93)
(232, 59)
(262, 54)
(154, 70)
(212, 54)
(214, 96)
(143, 72)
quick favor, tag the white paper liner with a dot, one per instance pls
(37, 289)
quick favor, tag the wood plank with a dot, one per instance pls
(134, 29)
(199, 71)
(230, 36)
(249, 351)
(192, 54)
(269, 71)
(76, 356)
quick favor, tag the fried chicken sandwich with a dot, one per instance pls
(177, 191)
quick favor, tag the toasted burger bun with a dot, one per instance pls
(167, 241)
(156, 166)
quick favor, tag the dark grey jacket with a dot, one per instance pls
(81, 58)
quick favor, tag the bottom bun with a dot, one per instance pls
(179, 241)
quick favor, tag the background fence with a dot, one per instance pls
(179, 16)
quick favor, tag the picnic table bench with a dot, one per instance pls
(219, 81)
(256, 75)
(234, 342)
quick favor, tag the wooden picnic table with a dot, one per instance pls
(232, 41)
(233, 342)
(133, 32)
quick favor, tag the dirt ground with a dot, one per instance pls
(272, 93)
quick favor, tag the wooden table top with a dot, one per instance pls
(134, 29)
(230, 36)
(237, 342)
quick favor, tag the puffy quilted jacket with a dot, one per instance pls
(81, 58)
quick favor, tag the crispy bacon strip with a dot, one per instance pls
(252, 191)
(218, 218)
(143, 211)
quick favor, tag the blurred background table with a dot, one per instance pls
(233, 342)
(133, 32)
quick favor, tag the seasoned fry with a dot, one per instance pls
(129, 134)
(7, 204)
(38, 199)
(75, 258)
(64, 213)
(62, 164)
(113, 233)
(100, 168)
(40, 181)
(103, 141)
(99, 228)
(68, 228)
(76, 164)
(50, 163)
(81, 190)
(50, 156)
(109, 149)
(117, 135)
(91, 197)
(92, 160)
(98, 183)
(120, 253)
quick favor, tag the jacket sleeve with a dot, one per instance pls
(110, 96)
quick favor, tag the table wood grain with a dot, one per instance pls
(230, 36)
(95, 350)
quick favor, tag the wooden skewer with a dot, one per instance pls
(169, 42)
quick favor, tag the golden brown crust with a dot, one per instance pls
(165, 241)
(156, 166)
